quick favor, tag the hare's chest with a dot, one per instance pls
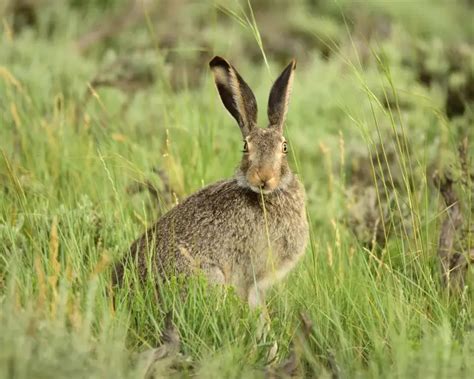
(284, 237)
(288, 227)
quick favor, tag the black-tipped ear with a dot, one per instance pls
(280, 96)
(236, 95)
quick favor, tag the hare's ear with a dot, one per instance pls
(280, 96)
(236, 95)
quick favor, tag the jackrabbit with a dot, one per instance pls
(248, 231)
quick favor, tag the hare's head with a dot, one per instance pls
(264, 165)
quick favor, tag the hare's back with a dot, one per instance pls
(216, 219)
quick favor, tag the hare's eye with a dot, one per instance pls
(285, 148)
(245, 148)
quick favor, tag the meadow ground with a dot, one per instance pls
(97, 142)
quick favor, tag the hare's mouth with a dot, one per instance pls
(261, 189)
(269, 188)
(243, 182)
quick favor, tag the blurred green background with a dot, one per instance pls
(109, 117)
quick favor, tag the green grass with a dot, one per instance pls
(66, 215)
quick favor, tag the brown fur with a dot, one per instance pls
(248, 231)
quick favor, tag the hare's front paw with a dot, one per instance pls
(256, 297)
